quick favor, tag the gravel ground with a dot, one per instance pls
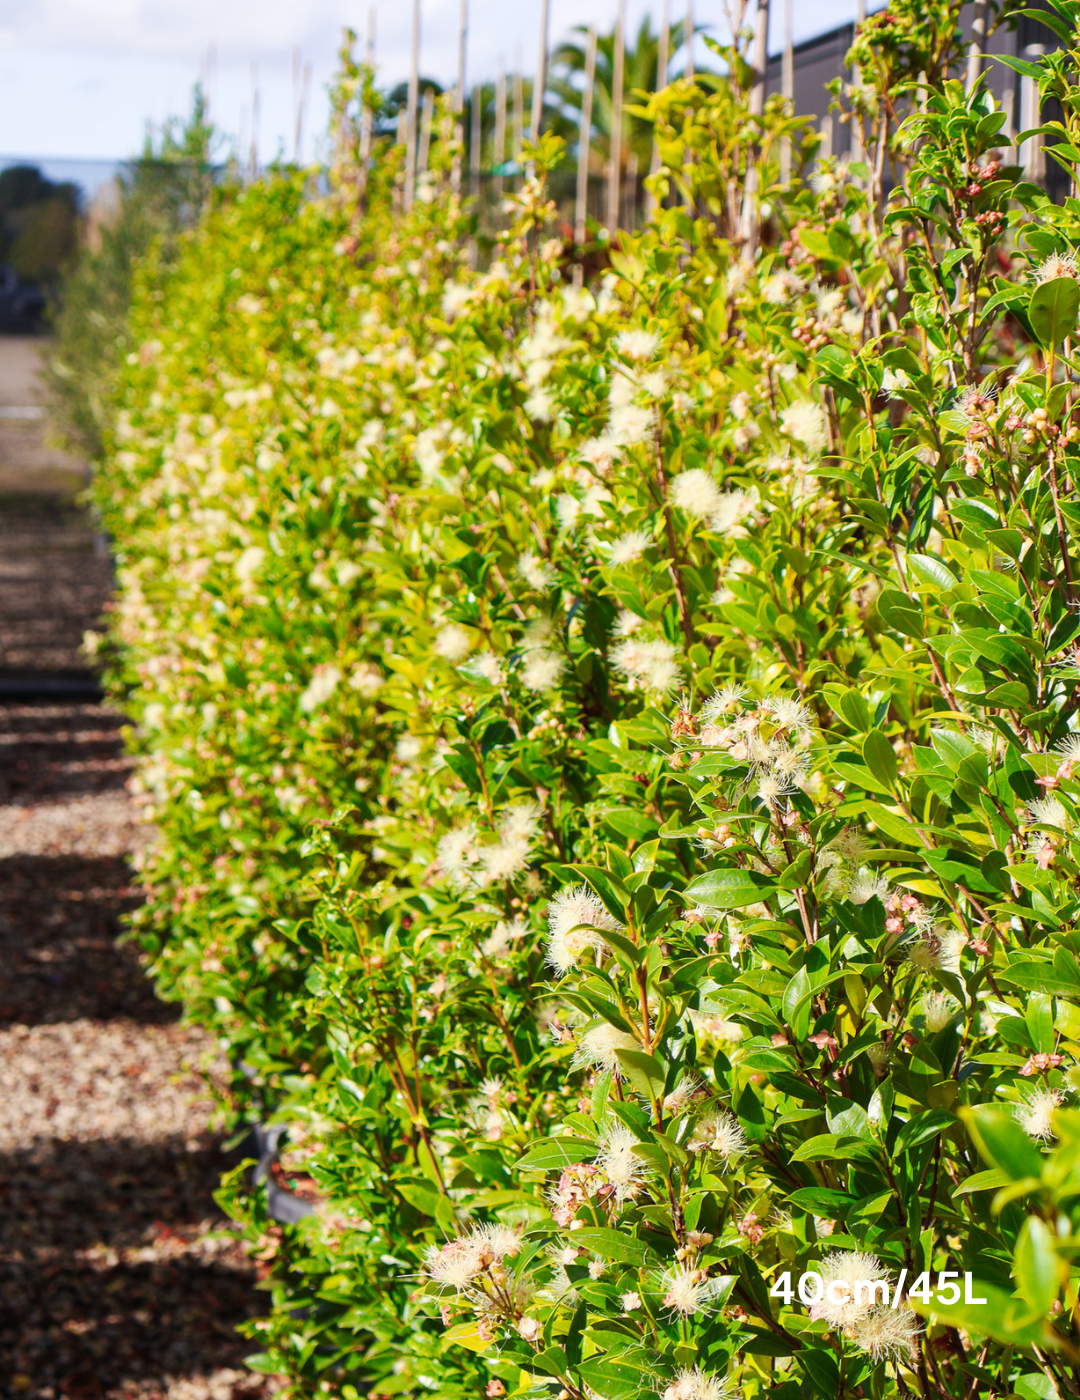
(119, 1277)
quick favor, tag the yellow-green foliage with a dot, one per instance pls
(613, 750)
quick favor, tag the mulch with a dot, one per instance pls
(120, 1278)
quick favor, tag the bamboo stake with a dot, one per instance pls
(365, 115)
(663, 44)
(296, 70)
(459, 94)
(761, 58)
(474, 144)
(630, 206)
(977, 45)
(690, 39)
(255, 105)
(540, 82)
(499, 159)
(748, 219)
(411, 112)
(856, 81)
(584, 143)
(519, 108)
(427, 114)
(787, 85)
(615, 170)
(210, 91)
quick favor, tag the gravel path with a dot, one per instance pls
(119, 1278)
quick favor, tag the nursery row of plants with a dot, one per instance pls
(614, 747)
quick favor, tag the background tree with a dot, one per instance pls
(38, 223)
(159, 194)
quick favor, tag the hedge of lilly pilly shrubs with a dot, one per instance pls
(615, 756)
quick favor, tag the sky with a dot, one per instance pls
(81, 79)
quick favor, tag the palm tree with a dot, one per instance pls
(565, 92)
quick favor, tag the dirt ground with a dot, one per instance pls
(119, 1277)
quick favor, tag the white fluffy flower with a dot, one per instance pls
(322, 685)
(719, 1132)
(577, 922)
(696, 492)
(366, 678)
(540, 405)
(617, 1160)
(867, 885)
(600, 452)
(652, 665)
(567, 510)
(688, 1291)
(408, 748)
(855, 1275)
(456, 1263)
(520, 820)
(505, 859)
(630, 423)
(1068, 747)
(629, 547)
(938, 949)
(732, 508)
(887, 1333)
(488, 667)
(600, 1046)
(452, 643)
(692, 1383)
(722, 702)
(249, 563)
(536, 573)
(637, 344)
(1048, 811)
(455, 298)
(457, 853)
(805, 421)
(791, 715)
(781, 287)
(938, 1008)
(1035, 1113)
(542, 670)
(503, 936)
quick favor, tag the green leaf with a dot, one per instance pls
(798, 989)
(992, 1180)
(645, 1072)
(467, 1334)
(615, 1245)
(728, 889)
(820, 1365)
(1039, 1016)
(1036, 1266)
(897, 611)
(1053, 310)
(555, 1153)
(627, 1371)
(1004, 1317)
(1043, 977)
(819, 1200)
(610, 888)
(1002, 1142)
(930, 572)
(880, 758)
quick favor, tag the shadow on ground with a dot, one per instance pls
(108, 1278)
(60, 917)
(52, 752)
